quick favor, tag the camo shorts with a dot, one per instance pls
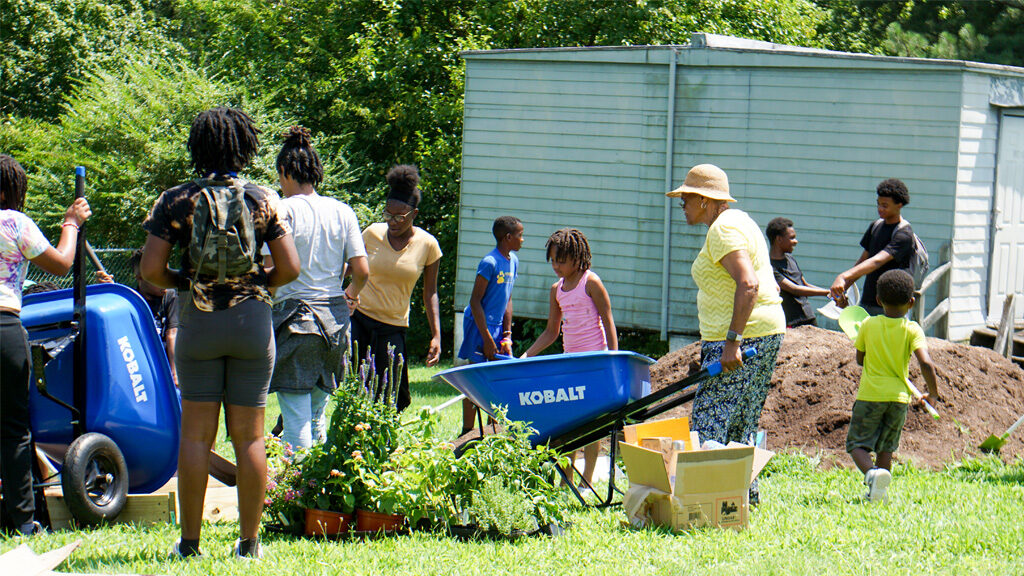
(876, 426)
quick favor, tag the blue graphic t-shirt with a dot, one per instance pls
(500, 273)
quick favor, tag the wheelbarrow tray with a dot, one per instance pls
(555, 393)
(129, 393)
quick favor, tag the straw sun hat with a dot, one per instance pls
(706, 180)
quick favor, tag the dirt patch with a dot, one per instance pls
(815, 383)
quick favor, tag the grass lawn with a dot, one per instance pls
(967, 519)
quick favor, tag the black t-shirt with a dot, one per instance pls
(165, 311)
(899, 242)
(798, 310)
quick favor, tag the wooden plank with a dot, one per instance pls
(1004, 335)
(138, 509)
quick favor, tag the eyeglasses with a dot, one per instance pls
(400, 218)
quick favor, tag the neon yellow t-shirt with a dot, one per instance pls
(734, 230)
(394, 273)
(887, 344)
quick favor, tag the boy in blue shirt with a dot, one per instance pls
(487, 321)
(884, 346)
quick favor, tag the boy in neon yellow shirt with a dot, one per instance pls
(884, 345)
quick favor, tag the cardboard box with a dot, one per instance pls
(703, 488)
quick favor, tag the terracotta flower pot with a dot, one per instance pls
(326, 522)
(367, 521)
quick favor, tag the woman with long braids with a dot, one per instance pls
(225, 343)
(399, 253)
(311, 313)
(21, 242)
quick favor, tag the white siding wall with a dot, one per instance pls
(559, 144)
(811, 143)
(576, 138)
(975, 182)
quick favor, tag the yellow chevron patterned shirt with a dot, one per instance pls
(735, 230)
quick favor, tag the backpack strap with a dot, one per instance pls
(226, 220)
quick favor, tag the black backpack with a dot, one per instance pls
(919, 259)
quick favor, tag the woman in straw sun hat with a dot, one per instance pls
(738, 303)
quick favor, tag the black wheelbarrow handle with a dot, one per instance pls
(639, 410)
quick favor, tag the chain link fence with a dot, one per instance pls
(117, 262)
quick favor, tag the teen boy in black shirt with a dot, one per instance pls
(887, 246)
(793, 287)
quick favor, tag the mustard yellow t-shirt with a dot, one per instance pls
(393, 274)
(887, 344)
(735, 230)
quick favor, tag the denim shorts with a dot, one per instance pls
(876, 426)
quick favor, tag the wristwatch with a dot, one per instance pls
(734, 336)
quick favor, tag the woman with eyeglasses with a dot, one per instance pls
(738, 303)
(398, 254)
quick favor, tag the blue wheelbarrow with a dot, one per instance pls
(572, 400)
(110, 419)
(102, 403)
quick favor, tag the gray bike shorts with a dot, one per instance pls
(225, 355)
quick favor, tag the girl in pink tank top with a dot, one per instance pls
(582, 329)
(578, 307)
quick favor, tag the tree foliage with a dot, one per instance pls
(984, 31)
(114, 85)
(46, 44)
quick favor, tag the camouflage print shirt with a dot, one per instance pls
(171, 220)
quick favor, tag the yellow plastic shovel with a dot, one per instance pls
(850, 320)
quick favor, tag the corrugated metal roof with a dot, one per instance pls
(705, 41)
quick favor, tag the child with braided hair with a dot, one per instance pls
(578, 307)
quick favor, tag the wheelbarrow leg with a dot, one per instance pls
(567, 478)
(612, 453)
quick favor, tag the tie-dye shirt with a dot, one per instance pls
(20, 241)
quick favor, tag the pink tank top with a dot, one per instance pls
(582, 329)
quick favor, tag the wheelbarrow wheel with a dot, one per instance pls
(94, 479)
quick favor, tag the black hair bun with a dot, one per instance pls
(403, 180)
(298, 136)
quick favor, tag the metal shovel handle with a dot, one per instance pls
(94, 258)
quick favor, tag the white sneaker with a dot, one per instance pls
(256, 555)
(877, 481)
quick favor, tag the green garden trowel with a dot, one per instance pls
(993, 443)
(850, 320)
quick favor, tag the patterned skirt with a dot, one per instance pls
(728, 407)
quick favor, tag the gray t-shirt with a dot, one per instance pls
(327, 236)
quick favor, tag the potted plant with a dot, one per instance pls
(414, 484)
(283, 507)
(505, 486)
(327, 492)
(361, 437)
